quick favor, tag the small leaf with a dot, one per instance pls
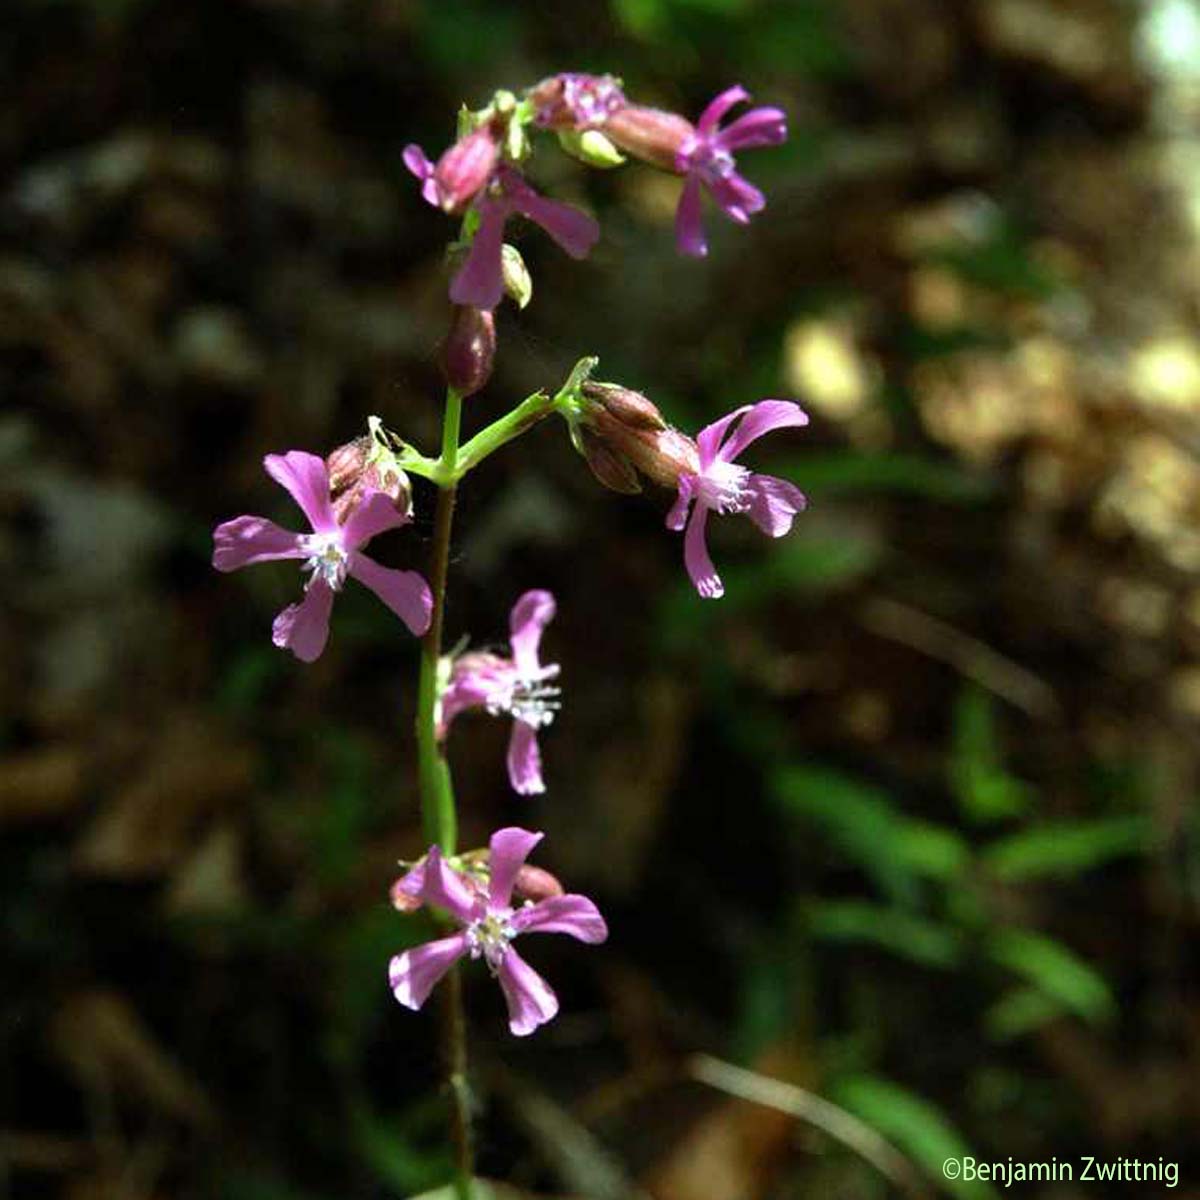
(1066, 848)
(913, 1124)
(904, 934)
(1020, 1011)
(1055, 970)
(985, 790)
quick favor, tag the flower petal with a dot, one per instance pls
(408, 892)
(375, 514)
(405, 592)
(689, 224)
(573, 230)
(530, 615)
(708, 440)
(246, 540)
(758, 127)
(525, 761)
(531, 1002)
(571, 914)
(304, 628)
(307, 482)
(736, 197)
(445, 887)
(677, 517)
(416, 972)
(418, 163)
(762, 418)
(695, 557)
(774, 502)
(507, 852)
(476, 681)
(480, 280)
(718, 107)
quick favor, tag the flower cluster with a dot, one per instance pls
(363, 490)
(481, 178)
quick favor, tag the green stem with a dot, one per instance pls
(437, 791)
(527, 414)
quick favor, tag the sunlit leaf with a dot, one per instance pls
(1066, 848)
(914, 1125)
(1055, 970)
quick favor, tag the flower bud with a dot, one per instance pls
(650, 134)
(363, 466)
(610, 468)
(534, 883)
(625, 404)
(574, 101)
(469, 349)
(347, 463)
(466, 167)
(630, 428)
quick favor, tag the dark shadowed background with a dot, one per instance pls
(906, 821)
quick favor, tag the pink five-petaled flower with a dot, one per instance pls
(489, 923)
(519, 687)
(722, 486)
(480, 279)
(331, 552)
(706, 158)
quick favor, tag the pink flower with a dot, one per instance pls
(462, 171)
(489, 923)
(518, 687)
(706, 158)
(331, 552)
(480, 280)
(722, 486)
(575, 101)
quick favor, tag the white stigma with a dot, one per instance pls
(488, 938)
(722, 486)
(327, 559)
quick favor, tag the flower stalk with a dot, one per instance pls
(438, 811)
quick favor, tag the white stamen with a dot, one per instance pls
(723, 487)
(712, 162)
(488, 938)
(530, 698)
(327, 559)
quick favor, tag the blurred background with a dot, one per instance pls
(904, 822)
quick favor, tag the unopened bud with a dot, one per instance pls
(625, 404)
(469, 349)
(650, 134)
(534, 883)
(629, 427)
(466, 167)
(518, 283)
(363, 466)
(613, 470)
(347, 463)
